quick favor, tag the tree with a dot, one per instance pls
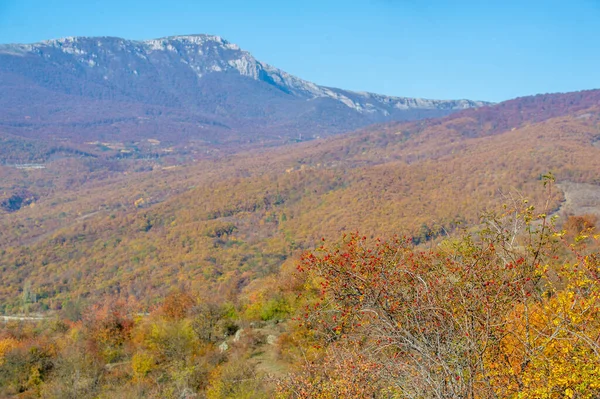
(480, 316)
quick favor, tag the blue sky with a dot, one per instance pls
(487, 50)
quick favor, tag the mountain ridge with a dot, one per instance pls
(249, 66)
(219, 92)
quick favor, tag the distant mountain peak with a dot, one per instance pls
(210, 53)
(194, 40)
(182, 71)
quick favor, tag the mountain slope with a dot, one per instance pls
(225, 222)
(178, 88)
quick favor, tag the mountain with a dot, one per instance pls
(178, 90)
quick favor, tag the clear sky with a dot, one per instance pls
(477, 49)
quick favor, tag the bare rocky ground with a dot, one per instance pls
(261, 338)
(580, 198)
(31, 317)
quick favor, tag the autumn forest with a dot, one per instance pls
(443, 258)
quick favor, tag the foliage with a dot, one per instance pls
(492, 315)
(194, 290)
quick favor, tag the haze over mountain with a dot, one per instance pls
(177, 89)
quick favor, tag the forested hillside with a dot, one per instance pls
(449, 257)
